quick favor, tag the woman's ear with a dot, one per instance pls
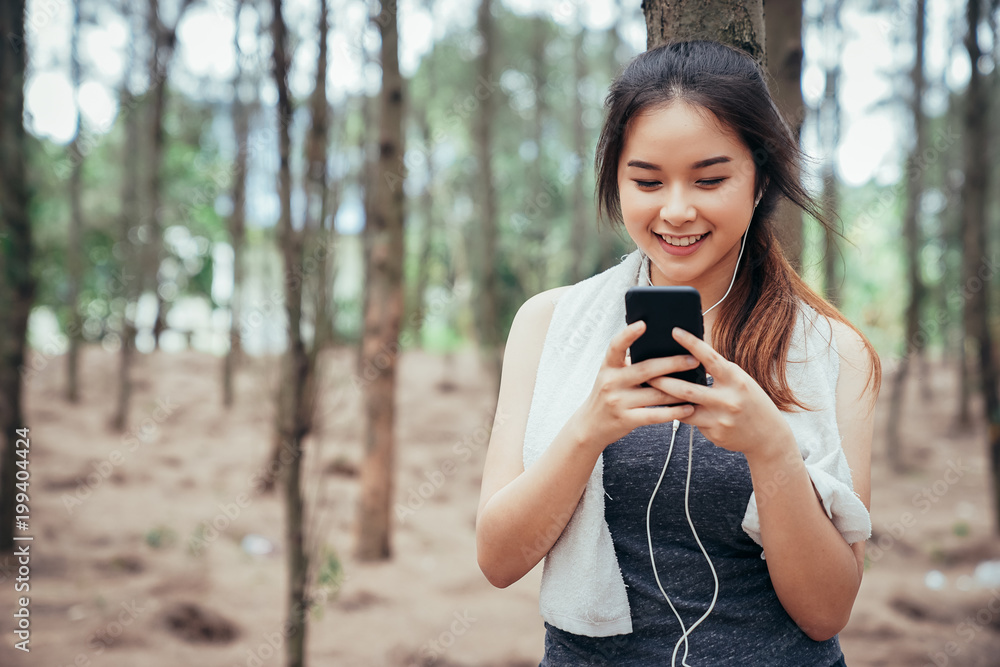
(760, 193)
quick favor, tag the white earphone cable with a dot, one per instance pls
(686, 632)
(743, 244)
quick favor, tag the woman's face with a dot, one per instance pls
(686, 185)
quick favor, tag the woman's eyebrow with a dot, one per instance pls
(643, 165)
(700, 164)
(719, 159)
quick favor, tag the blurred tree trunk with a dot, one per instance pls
(737, 23)
(128, 247)
(537, 214)
(369, 176)
(237, 219)
(297, 388)
(911, 236)
(316, 190)
(784, 61)
(830, 130)
(487, 298)
(384, 312)
(426, 236)
(74, 244)
(581, 263)
(164, 39)
(17, 284)
(976, 280)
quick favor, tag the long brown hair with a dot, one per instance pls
(764, 303)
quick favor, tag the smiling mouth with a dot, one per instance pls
(682, 241)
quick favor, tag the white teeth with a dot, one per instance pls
(683, 241)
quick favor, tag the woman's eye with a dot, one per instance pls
(647, 184)
(710, 181)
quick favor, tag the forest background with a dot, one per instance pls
(260, 258)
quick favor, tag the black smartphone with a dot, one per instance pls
(662, 309)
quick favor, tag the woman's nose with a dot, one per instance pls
(677, 208)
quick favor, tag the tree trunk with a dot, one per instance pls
(369, 177)
(74, 249)
(17, 285)
(427, 232)
(976, 279)
(295, 393)
(533, 273)
(130, 284)
(164, 40)
(911, 235)
(488, 301)
(784, 61)
(830, 129)
(733, 22)
(384, 311)
(237, 219)
(316, 190)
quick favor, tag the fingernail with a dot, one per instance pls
(690, 361)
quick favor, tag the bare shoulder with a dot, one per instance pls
(538, 309)
(526, 340)
(860, 371)
(851, 347)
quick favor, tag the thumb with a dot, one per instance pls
(621, 342)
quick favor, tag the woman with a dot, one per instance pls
(748, 548)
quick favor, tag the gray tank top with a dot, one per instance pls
(748, 626)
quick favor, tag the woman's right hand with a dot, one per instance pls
(618, 402)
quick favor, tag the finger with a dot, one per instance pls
(714, 362)
(643, 371)
(648, 396)
(688, 392)
(664, 415)
(615, 357)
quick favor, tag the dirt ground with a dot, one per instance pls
(150, 547)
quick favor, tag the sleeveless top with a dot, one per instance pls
(748, 627)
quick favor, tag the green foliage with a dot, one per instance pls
(193, 177)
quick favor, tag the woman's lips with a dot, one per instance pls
(682, 250)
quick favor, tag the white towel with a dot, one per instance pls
(582, 588)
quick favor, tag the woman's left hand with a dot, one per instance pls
(734, 413)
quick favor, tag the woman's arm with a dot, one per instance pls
(815, 573)
(523, 512)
